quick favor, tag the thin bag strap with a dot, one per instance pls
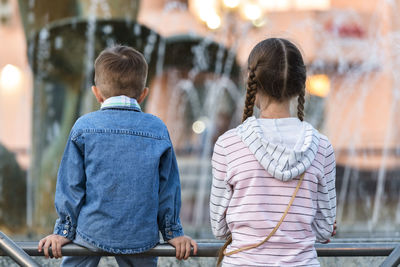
(277, 225)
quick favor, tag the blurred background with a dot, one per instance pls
(197, 52)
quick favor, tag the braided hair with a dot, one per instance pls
(276, 69)
(300, 105)
(250, 95)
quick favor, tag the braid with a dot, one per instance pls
(300, 105)
(250, 95)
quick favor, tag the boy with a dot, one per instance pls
(118, 181)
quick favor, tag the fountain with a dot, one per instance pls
(202, 79)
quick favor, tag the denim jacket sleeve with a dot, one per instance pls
(169, 196)
(70, 189)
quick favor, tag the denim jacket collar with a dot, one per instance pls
(121, 102)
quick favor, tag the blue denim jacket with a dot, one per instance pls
(118, 181)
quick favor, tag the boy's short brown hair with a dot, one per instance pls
(120, 70)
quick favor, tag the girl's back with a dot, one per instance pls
(256, 170)
(257, 167)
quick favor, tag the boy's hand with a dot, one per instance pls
(182, 246)
(56, 242)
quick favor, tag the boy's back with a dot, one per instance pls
(127, 157)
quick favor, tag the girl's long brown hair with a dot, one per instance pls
(276, 69)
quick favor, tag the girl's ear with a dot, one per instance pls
(97, 94)
(143, 95)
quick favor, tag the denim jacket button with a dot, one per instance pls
(170, 233)
(65, 232)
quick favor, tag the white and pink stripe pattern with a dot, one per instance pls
(247, 202)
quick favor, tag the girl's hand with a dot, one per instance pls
(56, 242)
(183, 246)
(334, 229)
(333, 233)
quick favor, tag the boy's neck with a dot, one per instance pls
(120, 101)
(119, 96)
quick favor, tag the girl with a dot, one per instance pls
(273, 192)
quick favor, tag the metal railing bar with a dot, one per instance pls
(209, 248)
(393, 259)
(10, 248)
(366, 240)
(354, 249)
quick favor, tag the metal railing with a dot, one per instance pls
(393, 259)
(20, 251)
(9, 248)
(207, 248)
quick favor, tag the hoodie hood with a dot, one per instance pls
(282, 162)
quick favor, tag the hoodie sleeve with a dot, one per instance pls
(326, 203)
(221, 193)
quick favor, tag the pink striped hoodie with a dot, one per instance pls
(256, 167)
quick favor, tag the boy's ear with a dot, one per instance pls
(143, 95)
(97, 94)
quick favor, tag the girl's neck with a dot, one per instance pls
(274, 109)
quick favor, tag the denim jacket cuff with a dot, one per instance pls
(172, 231)
(64, 228)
